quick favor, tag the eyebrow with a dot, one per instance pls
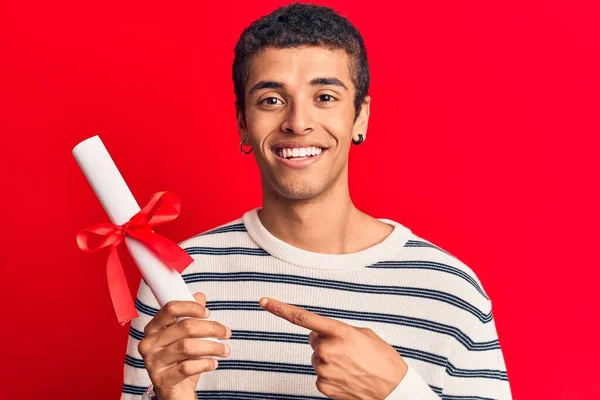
(320, 81)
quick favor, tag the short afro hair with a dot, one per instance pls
(297, 25)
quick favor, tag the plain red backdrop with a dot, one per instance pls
(482, 139)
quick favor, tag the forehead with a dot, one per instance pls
(299, 65)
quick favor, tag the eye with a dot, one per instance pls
(270, 101)
(326, 98)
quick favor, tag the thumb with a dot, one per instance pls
(200, 298)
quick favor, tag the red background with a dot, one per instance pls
(483, 139)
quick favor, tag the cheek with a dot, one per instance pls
(341, 130)
(260, 126)
(338, 123)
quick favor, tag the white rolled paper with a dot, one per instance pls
(101, 172)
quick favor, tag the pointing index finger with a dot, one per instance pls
(301, 317)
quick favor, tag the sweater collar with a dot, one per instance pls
(387, 249)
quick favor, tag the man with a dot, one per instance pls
(352, 307)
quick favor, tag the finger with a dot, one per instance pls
(313, 339)
(301, 317)
(178, 372)
(326, 388)
(192, 328)
(189, 348)
(168, 315)
(200, 298)
(316, 362)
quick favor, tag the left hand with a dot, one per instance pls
(350, 362)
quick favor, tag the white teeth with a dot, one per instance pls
(299, 152)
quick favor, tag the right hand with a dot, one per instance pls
(168, 345)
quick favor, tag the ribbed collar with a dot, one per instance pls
(382, 251)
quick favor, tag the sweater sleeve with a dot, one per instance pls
(412, 386)
(135, 375)
(475, 369)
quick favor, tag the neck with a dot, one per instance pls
(328, 223)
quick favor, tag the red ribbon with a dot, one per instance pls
(162, 207)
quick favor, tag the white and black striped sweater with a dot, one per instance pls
(420, 299)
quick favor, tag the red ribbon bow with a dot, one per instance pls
(162, 207)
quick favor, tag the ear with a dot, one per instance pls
(241, 122)
(362, 121)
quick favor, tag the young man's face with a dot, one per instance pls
(299, 119)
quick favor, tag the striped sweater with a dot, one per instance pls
(424, 302)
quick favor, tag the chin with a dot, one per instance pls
(298, 190)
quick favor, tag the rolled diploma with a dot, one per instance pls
(101, 172)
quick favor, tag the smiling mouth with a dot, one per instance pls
(298, 153)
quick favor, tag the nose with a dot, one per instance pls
(299, 119)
